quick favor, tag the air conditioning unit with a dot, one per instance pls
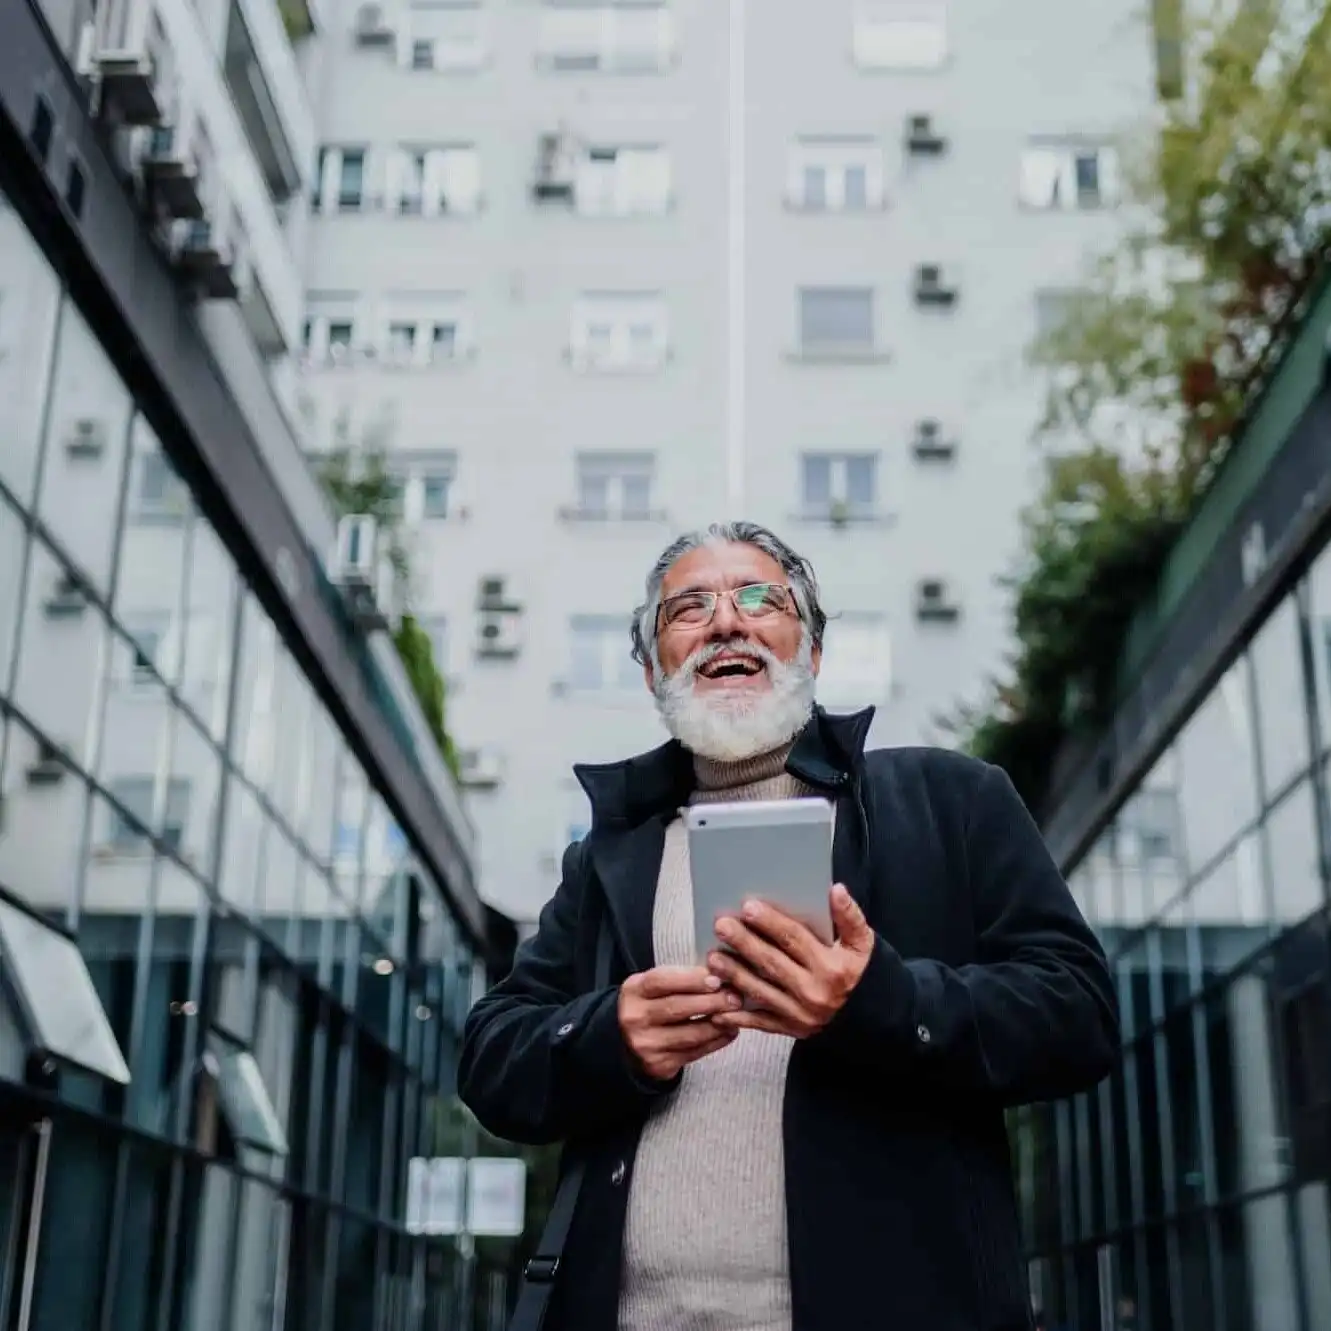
(69, 599)
(498, 634)
(207, 262)
(480, 769)
(170, 174)
(126, 76)
(48, 768)
(934, 602)
(556, 168)
(494, 594)
(356, 555)
(931, 444)
(922, 138)
(932, 286)
(373, 27)
(86, 441)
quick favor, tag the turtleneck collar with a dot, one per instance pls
(763, 777)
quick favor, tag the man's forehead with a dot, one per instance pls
(719, 565)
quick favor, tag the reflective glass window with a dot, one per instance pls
(1295, 860)
(12, 541)
(208, 625)
(1218, 775)
(87, 429)
(1282, 697)
(1228, 909)
(29, 301)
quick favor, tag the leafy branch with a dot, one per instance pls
(1151, 370)
(360, 480)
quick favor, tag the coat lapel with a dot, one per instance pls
(628, 863)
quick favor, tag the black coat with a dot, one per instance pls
(986, 990)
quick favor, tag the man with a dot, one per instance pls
(831, 1155)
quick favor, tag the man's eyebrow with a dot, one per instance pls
(686, 591)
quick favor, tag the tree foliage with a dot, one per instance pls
(1155, 361)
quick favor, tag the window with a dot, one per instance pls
(330, 328)
(905, 35)
(615, 485)
(1067, 175)
(599, 655)
(428, 486)
(161, 494)
(623, 182)
(618, 331)
(425, 329)
(341, 179)
(59, 1003)
(445, 36)
(243, 1096)
(136, 794)
(836, 319)
(148, 638)
(857, 661)
(429, 181)
(607, 38)
(836, 175)
(839, 484)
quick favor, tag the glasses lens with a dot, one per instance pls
(688, 608)
(763, 598)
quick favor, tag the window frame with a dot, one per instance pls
(839, 464)
(615, 316)
(617, 673)
(815, 348)
(836, 158)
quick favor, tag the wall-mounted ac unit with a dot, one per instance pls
(126, 76)
(480, 769)
(207, 262)
(496, 594)
(356, 554)
(48, 768)
(373, 27)
(934, 602)
(556, 168)
(170, 173)
(933, 287)
(923, 138)
(69, 599)
(931, 444)
(498, 634)
(86, 440)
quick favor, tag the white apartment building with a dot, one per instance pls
(596, 273)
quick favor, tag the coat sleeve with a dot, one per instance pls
(542, 1062)
(1034, 1018)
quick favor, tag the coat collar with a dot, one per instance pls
(624, 794)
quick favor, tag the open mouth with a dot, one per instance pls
(732, 667)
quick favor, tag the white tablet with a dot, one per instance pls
(779, 851)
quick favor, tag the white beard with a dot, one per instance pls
(730, 725)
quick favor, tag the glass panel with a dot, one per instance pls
(244, 1098)
(60, 1005)
(817, 481)
(85, 454)
(1291, 839)
(27, 333)
(1256, 1263)
(1218, 784)
(12, 539)
(1277, 659)
(209, 621)
(1319, 614)
(836, 316)
(1228, 910)
(861, 473)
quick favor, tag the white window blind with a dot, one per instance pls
(425, 328)
(836, 175)
(606, 37)
(906, 35)
(615, 485)
(430, 181)
(618, 331)
(623, 181)
(1069, 176)
(836, 318)
(599, 656)
(443, 37)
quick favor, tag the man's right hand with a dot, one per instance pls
(666, 1015)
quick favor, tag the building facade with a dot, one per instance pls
(1193, 1189)
(592, 275)
(239, 927)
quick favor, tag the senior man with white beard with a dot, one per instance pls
(830, 1154)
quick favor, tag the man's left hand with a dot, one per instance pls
(796, 982)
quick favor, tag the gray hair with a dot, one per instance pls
(798, 571)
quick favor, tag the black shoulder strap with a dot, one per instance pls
(540, 1273)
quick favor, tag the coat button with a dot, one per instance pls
(564, 1031)
(922, 1034)
(617, 1174)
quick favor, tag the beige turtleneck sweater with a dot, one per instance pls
(705, 1240)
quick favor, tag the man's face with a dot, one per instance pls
(719, 569)
(734, 667)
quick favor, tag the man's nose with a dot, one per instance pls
(726, 623)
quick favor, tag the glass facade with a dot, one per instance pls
(1191, 1191)
(230, 995)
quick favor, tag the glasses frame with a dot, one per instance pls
(714, 599)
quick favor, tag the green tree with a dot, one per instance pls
(1151, 368)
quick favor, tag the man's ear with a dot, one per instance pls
(817, 660)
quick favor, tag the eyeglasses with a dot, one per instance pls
(759, 600)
